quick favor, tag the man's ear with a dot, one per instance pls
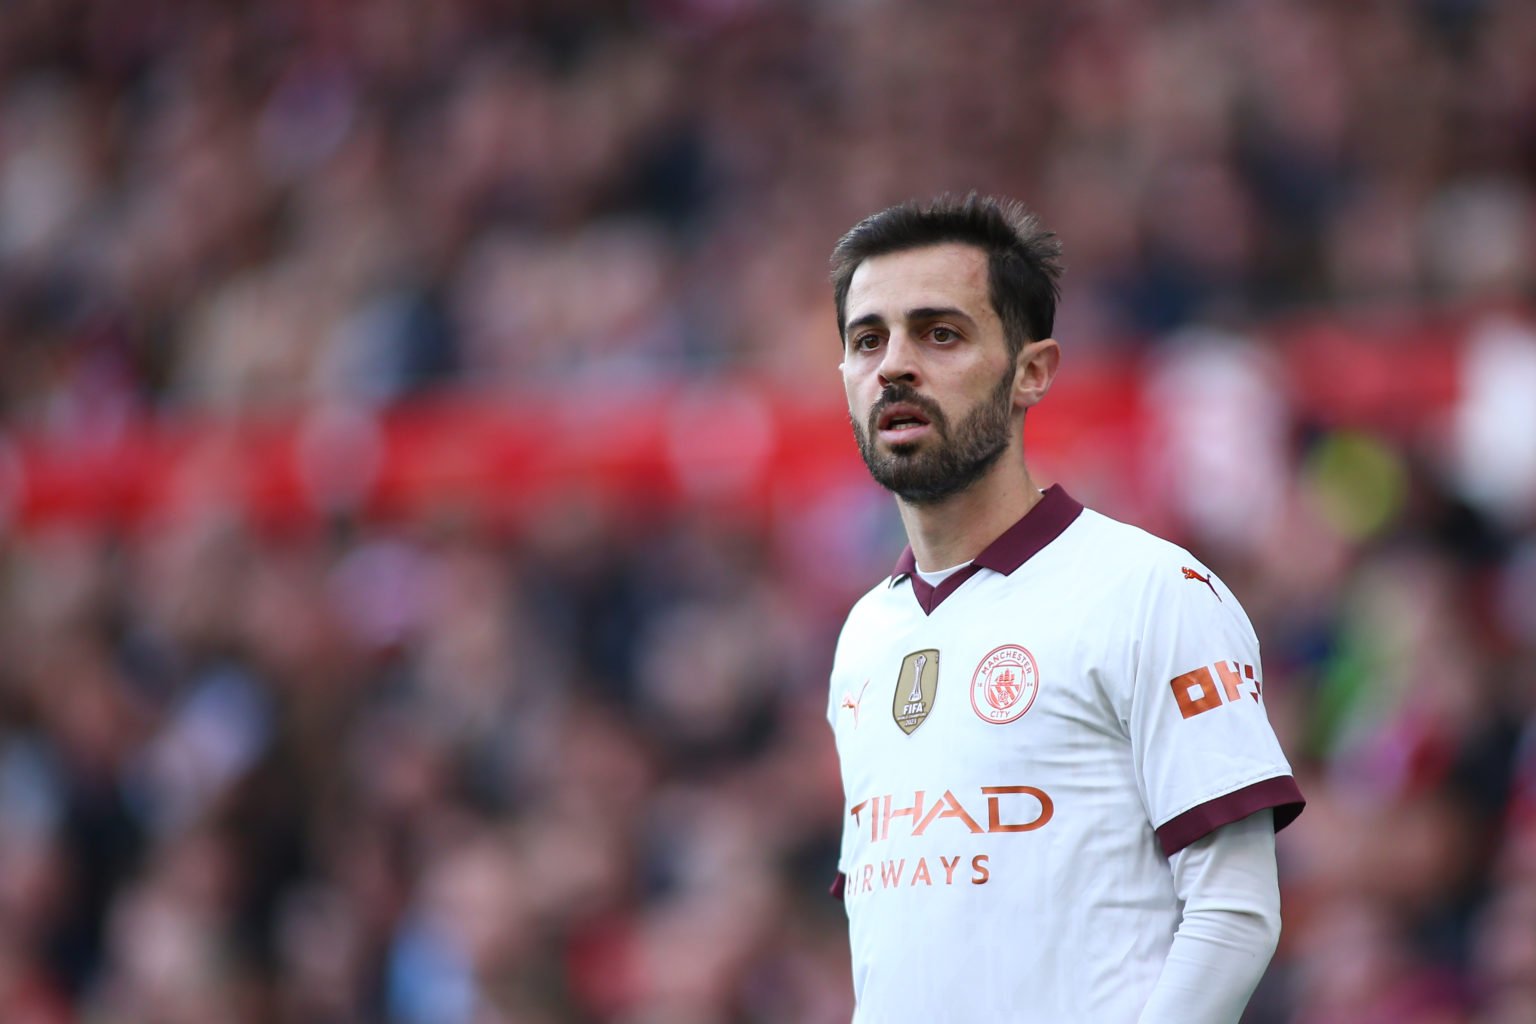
(1034, 370)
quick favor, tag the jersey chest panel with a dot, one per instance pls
(992, 717)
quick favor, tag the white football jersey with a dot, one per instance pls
(1022, 749)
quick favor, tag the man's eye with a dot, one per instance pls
(943, 335)
(865, 342)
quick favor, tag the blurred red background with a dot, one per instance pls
(427, 506)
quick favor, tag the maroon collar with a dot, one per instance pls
(1050, 516)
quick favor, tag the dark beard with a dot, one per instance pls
(951, 465)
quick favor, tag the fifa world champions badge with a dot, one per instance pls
(916, 686)
(1005, 685)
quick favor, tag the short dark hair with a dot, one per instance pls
(1023, 259)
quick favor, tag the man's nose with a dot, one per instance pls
(900, 360)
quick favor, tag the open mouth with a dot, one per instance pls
(902, 419)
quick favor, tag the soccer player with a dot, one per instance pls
(1062, 788)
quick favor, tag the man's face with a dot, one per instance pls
(927, 371)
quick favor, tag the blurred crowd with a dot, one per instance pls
(436, 771)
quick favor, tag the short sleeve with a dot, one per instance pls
(1204, 750)
(840, 703)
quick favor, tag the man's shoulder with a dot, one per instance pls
(1121, 548)
(1143, 570)
(872, 616)
(876, 600)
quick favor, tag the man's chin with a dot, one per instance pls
(907, 481)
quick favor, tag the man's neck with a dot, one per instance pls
(961, 527)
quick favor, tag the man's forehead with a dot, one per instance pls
(950, 274)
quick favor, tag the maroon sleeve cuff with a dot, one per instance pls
(1281, 793)
(836, 888)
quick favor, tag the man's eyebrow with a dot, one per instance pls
(867, 320)
(918, 313)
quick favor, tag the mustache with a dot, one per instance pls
(898, 393)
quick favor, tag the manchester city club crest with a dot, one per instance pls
(916, 686)
(1005, 684)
